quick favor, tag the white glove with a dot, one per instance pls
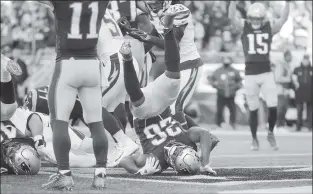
(150, 167)
(45, 155)
(207, 169)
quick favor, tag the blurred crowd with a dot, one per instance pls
(28, 35)
(31, 24)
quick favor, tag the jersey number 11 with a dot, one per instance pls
(76, 17)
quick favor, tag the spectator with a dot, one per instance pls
(283, 74)
(227, 81)
(302, 80)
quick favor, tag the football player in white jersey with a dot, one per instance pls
(190, 60)
(37, 126)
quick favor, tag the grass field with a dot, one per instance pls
(288, 170)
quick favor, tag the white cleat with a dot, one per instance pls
(121, 152)
(11, 66)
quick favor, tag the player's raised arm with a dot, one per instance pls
(47, 3)
(234, 19)
(278, 23)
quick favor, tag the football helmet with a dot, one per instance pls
(21, 157)
(182, 158)
(157, 6)
(256, 15)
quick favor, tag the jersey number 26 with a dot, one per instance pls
(159, 132)
(258, 43)
(76, 18)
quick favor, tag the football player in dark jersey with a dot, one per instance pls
(77, 71)
(257, 34)
(163, 139)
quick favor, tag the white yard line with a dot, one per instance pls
(304, 189)
(261, 133)
(261, 155)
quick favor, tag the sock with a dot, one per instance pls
(100, 171)
(131, 82)
(7, 92)
(61, 143)
(129, 115)
(272, 117)
(253, 122)
(65, 172)
(190, 121)
(121, 138)
(120, 115)
(109, 122)
(100, 143)
(172, 57)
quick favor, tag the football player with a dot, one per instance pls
(37, 126)
(190, 60)
(159, 133)
(257, 33)
(77, 72)
(18, 154)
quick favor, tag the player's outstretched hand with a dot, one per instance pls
(207, 170)
(151, 166)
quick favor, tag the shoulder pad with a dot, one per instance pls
(183, 18)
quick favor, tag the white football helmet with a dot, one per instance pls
(183, 159)
(21, 157)
(157, 7)
(256, 15)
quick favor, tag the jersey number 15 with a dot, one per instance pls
(76, 18)
(260, 40)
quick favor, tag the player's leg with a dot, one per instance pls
(120, 114)
(8, 102)
(252, 91)
(61, 99)
(269, 91)
(90, 96)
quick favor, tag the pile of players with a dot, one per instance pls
(122, 41)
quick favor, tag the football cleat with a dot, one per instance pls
(271, 139)
(60, 181)
(255, 145)
(99, 181)
(167, 18)
(11, 66)
(126, 51)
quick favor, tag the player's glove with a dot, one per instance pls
(207, 169)
(39, 141)
(124, 24)
(150, 167)
(139, 35)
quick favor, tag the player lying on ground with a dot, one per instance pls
(37, 126)
(18, 153)
(163, 139)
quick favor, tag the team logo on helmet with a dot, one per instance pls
(182, 158)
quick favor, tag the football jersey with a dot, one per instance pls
(126, 9)
(256, 47)
(110, 38)
(155, 133)
(9, 130)
(77, 27)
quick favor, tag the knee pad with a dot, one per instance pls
(7, 111)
